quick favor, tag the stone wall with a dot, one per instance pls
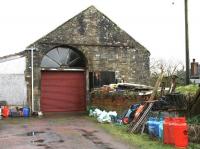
(131, 64)
(128, 63)
(105, 46)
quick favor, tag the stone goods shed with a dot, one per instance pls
(88, 50)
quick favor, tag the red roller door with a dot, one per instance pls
(63, 91)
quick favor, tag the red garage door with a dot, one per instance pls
(63, 91)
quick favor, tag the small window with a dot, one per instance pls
(100, 78)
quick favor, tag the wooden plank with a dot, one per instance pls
(141, 119)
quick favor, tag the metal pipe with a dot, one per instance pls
(32, 77)
(187, 59)
(32, 81)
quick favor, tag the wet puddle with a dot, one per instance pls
(38, 141)
(61, 141)
(45, 146)
(90, 136)
(3, 137)
(33, 133)
(46, 138)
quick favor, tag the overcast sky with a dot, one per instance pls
(156, 24)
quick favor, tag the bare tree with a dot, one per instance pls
(170, 68)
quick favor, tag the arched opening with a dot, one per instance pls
(63, 81)
(62, 57)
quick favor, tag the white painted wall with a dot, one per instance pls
(16, 66)
(13, 89)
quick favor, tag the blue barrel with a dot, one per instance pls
(157, 123)
(26, 111)
(151, 126)
(155, 127)
(161, 130)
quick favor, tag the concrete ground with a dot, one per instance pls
(56, 132)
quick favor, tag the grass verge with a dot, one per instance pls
(139, 141)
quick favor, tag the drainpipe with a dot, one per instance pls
(32, 90)
(32, 49)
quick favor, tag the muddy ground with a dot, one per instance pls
(56, 132)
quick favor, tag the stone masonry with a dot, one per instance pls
(104, 45)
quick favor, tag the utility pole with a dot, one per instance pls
(187, 59)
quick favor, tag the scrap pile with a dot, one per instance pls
(165, 130)
(123, 88)
(140, 119)
(119, 97)
(153, 114)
